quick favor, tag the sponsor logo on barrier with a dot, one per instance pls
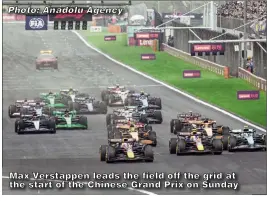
(95, 29)
(148, 56)
(9, 17)
(248, 95)
(110, 38)
(150, 35)
(20, 17)
(36, 22)
(144, 42)
(191, 74)
(212, 48)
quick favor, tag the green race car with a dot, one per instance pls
(69, 120)
(53, 100)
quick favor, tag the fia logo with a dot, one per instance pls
(36, 23)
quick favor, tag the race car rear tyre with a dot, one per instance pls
(217, 147)
(143, 118)
(52, 126)
(225, 139)
(172, 145)
(103, 95)
(83, 121)
(103, 108)
(111, 153)
(158, 103)
(225, 130)
(148, 153)
(21, 127)
(178, 126)
(16, 125)
(171, 125)
(11, 110)
(180, 147)
(153, 137)
(158, 116)
(109, 119)
(231, 143)
(111, 100)
(103, 152)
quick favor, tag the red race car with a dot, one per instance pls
(46, 60)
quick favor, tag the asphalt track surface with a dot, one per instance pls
(77, 151)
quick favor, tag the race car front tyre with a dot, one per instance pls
(16, 125)
(103, 95)
(83, 121)
(111, 153)
(231, 143)
(178, 126)
(180, 147)
(217, 147)
(103, 152)
(109, 119)
(158, 103)
(158, 116)
(172, 125)
(103, 108)
(21, 127)
(148, 153)
(225, 141)
(153, 137)
(172, 145)
(11, 110)
(52, 126)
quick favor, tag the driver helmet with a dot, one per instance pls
(194, 131)
(142, 93)
(190, 113)
(38, 105)
(25, 100)
(132, 128)
(117, 86)
(50, 93)
(67, 113)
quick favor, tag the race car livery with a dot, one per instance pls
(126, 149)
(246, 139)
(46, 60)
(195, 142)
(144, 100)
(69, 120)
(35, 124)
(53, 100)
(88, 105)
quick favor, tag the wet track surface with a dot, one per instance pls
(77, 151)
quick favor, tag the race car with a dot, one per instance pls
(68, 95)
(246, 139)
(115, 96)
(195, 142)
(149, 116)
(126, 149)
(46, 60)
(29, 110)
(88, 105)
(53, 100)
(15, 109)
(35, 124)
(136, 132)
(69, 120)
(143, 99)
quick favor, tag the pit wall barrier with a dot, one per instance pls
(114, 29)
(256, 81)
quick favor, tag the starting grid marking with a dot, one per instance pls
(58, 88)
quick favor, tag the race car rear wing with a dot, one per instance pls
(123, 140)
(187, 115)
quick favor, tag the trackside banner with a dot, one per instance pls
(36, 22)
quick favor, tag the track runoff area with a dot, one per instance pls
(68, 162)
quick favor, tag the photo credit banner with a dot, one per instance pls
(191, 74)
(36, 22)
(148, 56)
(248, 95)
(110, 38)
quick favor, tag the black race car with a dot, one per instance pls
(149, 116)
(35, 124)
(126, 149)
(143, 99)
(246, 140)
(88, 105)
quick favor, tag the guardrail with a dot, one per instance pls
(216, 68)
(256, 81)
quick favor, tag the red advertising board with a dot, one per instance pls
(147, 35)
(20, 17)
(9, 17)
(131, 41)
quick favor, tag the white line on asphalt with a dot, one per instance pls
(168, 86)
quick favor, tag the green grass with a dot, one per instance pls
(211, 87)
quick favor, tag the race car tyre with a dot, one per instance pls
(225, 130)
(111, 153)
(172, 145)
(143, 118)
(111, 100)
(264, 140)
(231, 143)
(103, 95)
(153, 137)
(148, 153)
(158, 103)
(11, 110)
(103, 152)
(225, 141)
(158, 116)
(73, 106)
(178, 126)
(16, 125)
(217, 147)
(109, 119)
(83, 121)
(171, 125)
(180, 146)
(148, 128)
(111, 135)
(52, 126)
(21, 127)
(129, 101)
(103, 108)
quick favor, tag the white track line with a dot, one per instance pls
(168, 86)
